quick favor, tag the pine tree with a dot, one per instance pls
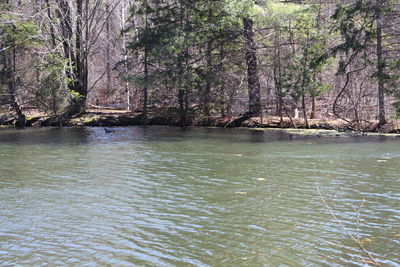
(17, 35)
(178, 40)
(362, 27)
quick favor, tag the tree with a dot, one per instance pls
(17, 35)
(52, 93)
(304, 60)
(361, 25)
(171, 37)
(80, 25)
(197, 59)
(299, 43)
(248, 10)
(253, 81)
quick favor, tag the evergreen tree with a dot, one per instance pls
(178, 40)
(17, 35)
(362, 27)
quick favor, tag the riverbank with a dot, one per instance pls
(111, 118)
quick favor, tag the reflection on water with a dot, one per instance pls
(160, 196)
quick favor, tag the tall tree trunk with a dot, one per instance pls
(252, 70)
(380, 65)
(207, 89)
(313, 108)
(146, 82)
(64, 14)
(182, 92)
(108, 51)
(52, 30)
(146, 69)
(124, 50)
(80, 68)
(304, 82)
(76, 105)
(182, 110)
(224, 104)
(277, 73)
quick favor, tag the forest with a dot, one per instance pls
(201, 59)
(297, 163)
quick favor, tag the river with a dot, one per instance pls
(163, 196)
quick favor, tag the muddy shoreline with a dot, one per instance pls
(114, 119)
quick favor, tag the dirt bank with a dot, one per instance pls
(110, 118)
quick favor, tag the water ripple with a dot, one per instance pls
(200, 197)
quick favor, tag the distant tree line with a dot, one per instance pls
(202, 58)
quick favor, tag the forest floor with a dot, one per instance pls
(110, 118)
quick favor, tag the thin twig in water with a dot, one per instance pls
(358, 218)
(345, 229)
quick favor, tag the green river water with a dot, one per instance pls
(163, 196)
